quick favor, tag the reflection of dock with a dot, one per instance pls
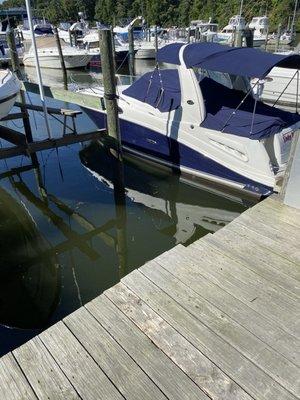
(216, 320)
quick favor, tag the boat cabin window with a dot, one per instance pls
(230, 81)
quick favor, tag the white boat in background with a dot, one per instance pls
(260, 25)
(236, 23)
(49, 57)
(281, 87)
(9, 89)
(40, 27)
(206, 28)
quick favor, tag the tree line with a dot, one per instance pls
(160, 12)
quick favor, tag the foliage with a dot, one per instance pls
(162, 12)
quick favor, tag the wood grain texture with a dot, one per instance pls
(78, 366)
(201, 370)
(245, 342)
(171, 380)
(125, 374)
(178, 263)
(251, 378)
(13, 384)
(43, 373)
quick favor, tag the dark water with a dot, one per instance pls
(63, 240)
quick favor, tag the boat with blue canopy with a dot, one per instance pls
(203, 117)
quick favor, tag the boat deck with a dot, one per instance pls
(216, 320)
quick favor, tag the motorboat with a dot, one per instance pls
(282, 87)
(208, 29)
(260, 26)
(9, 89)
(136, 25)
(49, 56)
(91, 44)
(236, 23)
(203, 119)
(41, 27)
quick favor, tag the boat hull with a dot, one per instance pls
(8, 93)
(145, 54)
(159, 149)
(52, 61)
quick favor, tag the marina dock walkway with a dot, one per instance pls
(218, 319)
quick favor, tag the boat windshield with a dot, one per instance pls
(230, 81)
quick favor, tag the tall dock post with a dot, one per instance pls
(189, 35)
(238, 38)
(113, 128)
(155, 41)
(131, 51)
(61, 58)
(278, 37)
(11, 42)
(70, 37)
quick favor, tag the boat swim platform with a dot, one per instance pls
(218, 319)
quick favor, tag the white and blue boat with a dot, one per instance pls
(203, 119)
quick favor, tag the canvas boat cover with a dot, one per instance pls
(221, 102)
(243, 61)
(161, 90)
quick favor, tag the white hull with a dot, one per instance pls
(145, 54)
(274, 88)
(9, 89)
(52, 61)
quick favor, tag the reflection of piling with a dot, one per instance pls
(61, 58)
(131, 51)
(11, 42)
(113, 129)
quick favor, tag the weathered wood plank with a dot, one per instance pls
(242, 284)
(177, 263)
(267, 276)
(42, 372)
(276, 208)
(201, 370)
(276, 366)
(256, 299)
(251, 378)
(79, 367)
(125, 374)
(261, 261)
(272, 221)
(171, 380)
(13, 384)
(262, 236)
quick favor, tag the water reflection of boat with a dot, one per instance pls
(165, 198)
(30, 281)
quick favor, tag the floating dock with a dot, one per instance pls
(218, 319)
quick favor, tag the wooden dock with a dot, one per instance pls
(216, 320)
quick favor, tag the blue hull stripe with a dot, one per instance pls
(156, 145)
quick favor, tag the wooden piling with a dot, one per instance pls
(278, 37)
(131, 51)
(61, 58)
(189, 35)
(70, 37)
(113, 130)
(155, 41)
(11, 42)
(238, 38)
